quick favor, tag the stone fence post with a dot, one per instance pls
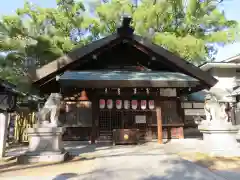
(3, 133)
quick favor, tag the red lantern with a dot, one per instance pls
(151, 104)
(118, 104)
(143, 104)
(109, 104)
(134, 104)
(101, 103)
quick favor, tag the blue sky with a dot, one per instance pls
(231, 8)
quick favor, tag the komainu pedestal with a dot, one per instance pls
(45, 145)
(219, 135)
(220, 140)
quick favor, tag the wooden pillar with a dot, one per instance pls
(94, 119)
(159, 124)
(181, 116)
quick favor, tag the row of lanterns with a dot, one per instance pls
(126, 104)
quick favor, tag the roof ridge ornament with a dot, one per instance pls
(125, 29)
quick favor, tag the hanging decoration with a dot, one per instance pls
(102, 103)
(126, 104)
(147, 91)
(151, 104)
(119, 104)
(134, 104)
(135, 91)
(143, 104)
(109, 103)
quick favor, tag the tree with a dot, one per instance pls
(35, 36)
(190, 29)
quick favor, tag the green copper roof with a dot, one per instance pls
(125, 75)
(128, 79)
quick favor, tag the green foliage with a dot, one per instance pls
(36, 36)
(188, 29)
(39, 35)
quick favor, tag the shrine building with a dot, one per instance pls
(120, 84)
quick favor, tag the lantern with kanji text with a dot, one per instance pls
(143, 104)
(118, 104)
(126, 104)
(134, 104)
(102, 103)
(109, 103)
(151, 104)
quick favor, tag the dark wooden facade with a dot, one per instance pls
(122, 51)
(84, 116)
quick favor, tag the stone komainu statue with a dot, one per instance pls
(51, 110)
(213, 110)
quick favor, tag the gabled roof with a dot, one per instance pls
(124, 33)
(71, 57)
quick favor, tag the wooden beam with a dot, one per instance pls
(126, 83)
(159, 124)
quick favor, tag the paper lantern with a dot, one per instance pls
(151, 104)
(134, 104)
(118, 104)
(101, 103)
(143, 104)
(109, 104)
(126, 104)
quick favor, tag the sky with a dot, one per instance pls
(231, 8)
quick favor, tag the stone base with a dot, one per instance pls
(45, 145)
(51, 158)
(220, 140)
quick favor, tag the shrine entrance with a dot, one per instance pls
(127, 112)
(126, 119)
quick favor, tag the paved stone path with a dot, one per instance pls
(147, 167)
(143, 162)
